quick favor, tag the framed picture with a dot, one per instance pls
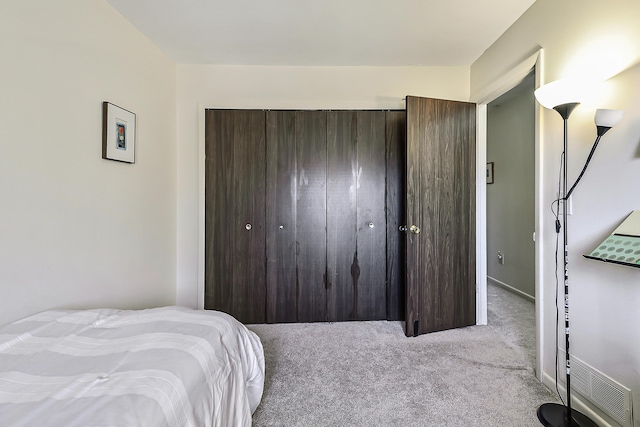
(490, 173)
(118, 133)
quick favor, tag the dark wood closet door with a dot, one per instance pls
(235, 269)
(356, 223)
(441, 285)
(282, 185)
(311, 215)
(371, 297)
(342, 266)
(396, 122)
(296, 216)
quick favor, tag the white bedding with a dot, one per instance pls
(167, 366)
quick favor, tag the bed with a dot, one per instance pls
(167, 366)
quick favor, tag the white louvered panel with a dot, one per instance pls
(607, 394)
(580, 377)
(611, 396)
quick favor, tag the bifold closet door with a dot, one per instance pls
(396, 122)
(326, 224)
(356, 223)
(282, 184)
(311, 213)
(296, 216)
(235, 270)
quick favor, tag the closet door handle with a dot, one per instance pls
(415, 229)
(248, 227)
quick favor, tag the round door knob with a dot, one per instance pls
(281, 227)
(248, 227)
(402, 228)
(371, 225)
(415, 229)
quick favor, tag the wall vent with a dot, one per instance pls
(610, 396)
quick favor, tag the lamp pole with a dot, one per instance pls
(553, 414)
(565, 242)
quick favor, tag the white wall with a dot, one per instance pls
(77, 231)
(578, 37)
(208, 86)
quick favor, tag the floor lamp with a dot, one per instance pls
(562, 98)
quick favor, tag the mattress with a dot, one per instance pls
(168, 366)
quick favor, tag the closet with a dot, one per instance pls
(296, 216)
(306, 215)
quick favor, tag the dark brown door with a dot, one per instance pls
(440, 213)
(311, 213)
(235, 213)
(396, 126)
(282, 186)
(326, 225)
(296, 216)
(356, 224)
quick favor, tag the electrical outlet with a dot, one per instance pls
(500, 258)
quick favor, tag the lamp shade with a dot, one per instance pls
(608, 118)
(560, 92)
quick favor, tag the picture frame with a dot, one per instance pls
(490, 173)
(118, 133)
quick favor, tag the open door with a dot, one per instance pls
(440, 215)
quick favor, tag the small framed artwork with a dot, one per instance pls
(118, 133)
(490, 173)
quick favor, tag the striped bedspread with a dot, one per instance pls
(167, 366)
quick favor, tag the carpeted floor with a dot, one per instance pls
(370, 374)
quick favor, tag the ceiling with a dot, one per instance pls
(323, 32)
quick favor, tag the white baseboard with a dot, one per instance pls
(578, 403)
(511, 289)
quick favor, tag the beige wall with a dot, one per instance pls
(578, 37)
(77, 231)
(208, 86)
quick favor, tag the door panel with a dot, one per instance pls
(342, 197)
(249, 192)
(440, 200)
(371, 287)
(353, 282)
(356, 223)
(281, 217)
(235, 271)
(396, 122)
(311, 214)
(219, 237)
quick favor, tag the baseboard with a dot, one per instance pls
(578, 403)
(511, 289)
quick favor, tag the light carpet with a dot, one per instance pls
(370, 374)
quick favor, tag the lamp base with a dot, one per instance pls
(555, 415)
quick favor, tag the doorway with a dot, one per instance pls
(483, 96)
(510, 212)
